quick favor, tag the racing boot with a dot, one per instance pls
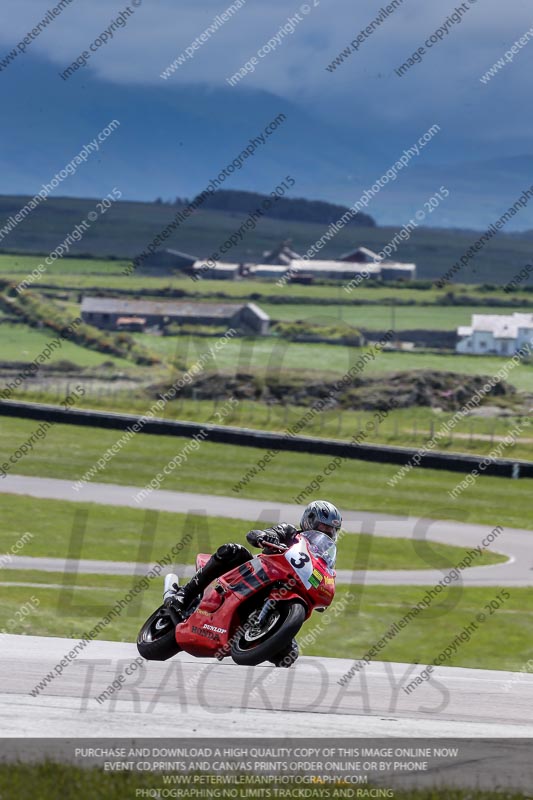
(172, 584)
(227, 557)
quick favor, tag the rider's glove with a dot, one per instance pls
(252, 537)
(279, 534)
(284, 530)
(256, 538)
(269, 537)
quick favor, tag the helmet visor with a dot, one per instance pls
(327, 529)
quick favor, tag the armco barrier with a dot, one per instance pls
(246, 437)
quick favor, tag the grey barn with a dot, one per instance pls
(112, 313)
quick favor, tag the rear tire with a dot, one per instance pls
(277, 637)
(157, 638)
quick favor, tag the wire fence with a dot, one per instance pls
(410, 425)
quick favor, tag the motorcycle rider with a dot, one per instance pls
(319, 515)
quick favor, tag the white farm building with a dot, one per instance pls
(495, 333)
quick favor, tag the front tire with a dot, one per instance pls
(157, 638)
(254, 646)
(286, 658)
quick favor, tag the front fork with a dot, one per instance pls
(268, 606)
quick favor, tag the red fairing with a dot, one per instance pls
(297, 574)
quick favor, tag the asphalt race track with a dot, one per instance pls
(199, 697)
(513, 543)
(183, 696)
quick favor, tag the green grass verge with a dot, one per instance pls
(96, 273)
(115, 534)
(62, 782)
(380, 317)
(68, 451)
(502, 642)
(23, 344)
(367, 613)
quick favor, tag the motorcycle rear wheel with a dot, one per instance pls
(250, 650)
(157, 639)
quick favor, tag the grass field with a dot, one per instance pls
(68, 451)
(367, 614)
(21, 343)
(107, 274)
(276, 356)
(406, 427)
(62, 782)
(380, 317)
(124, 534)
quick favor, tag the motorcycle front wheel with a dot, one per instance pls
(255, 643)
(157, 640)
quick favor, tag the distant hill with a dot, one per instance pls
(127, 227)
(286, 208)
(173, 139)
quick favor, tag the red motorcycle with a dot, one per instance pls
(252, 612)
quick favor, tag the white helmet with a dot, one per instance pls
(321, 516)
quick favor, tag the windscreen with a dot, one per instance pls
(322, 546)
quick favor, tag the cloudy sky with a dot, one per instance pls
(363, 97)
(446, 85)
